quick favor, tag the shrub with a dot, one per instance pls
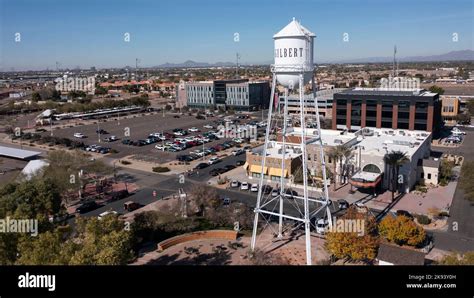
(421, 188)
(125, 162)
(443, 214)
(423, 219)
(160, 169)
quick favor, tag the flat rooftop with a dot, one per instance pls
(379, 141)
(388, 92)
(329, 137)
(17, 153)
(275, 150)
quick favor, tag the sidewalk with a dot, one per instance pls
(436, 198)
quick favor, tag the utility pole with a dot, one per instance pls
(98, 129)
(395, 71)
(237, 57)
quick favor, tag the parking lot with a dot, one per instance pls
(139, 128)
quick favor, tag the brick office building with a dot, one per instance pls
(382, 108)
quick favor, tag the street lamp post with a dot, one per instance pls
(98, 129)
(51, 125)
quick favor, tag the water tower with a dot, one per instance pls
(293, 69)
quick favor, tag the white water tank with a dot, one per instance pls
(293, 54)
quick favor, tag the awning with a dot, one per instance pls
(277, 172)
(365, 179)
(258, 169)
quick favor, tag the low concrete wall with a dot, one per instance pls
(212, 234)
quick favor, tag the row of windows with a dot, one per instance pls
(448, 109)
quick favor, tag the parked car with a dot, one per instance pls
(214, 160)
(79, 135)
(457, 131)
(291, 193)
(226, 201)
(193, 129)
(121, 194)
(343, 204)
(215, 172)
(267, 189)
(160, 147)
(111, 139)
(234, 184)
(201, 165)
(208, 126)
(104, 214)
(275, 192)
(229, 167)
(103, 150)
(130, 206)
(254, 188)
(238, 152)
(126, 141)
(240, 163)
(321, 225)
(101, 131)
(244, 186)
(87, 206)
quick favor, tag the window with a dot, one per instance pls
(422, 176)
(429, 176)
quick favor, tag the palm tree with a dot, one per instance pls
(395, 160)
(335, 154)
(346, 155)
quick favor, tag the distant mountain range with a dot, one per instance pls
(451, 56)
(463, 55)
(190, 63)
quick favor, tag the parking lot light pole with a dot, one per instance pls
(98, 130)
(51, 125)
(163, 140)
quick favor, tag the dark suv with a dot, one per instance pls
(87, 206)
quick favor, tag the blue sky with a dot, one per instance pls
(91, 32)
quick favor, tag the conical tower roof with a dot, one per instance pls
(294, 28)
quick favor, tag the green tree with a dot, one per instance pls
(394, 160)
(47, 248)
(36, 198)
(401, 230)
(65, 168)
(35, 96)
(470, 107)
(99, 90)
(464, 118)
(102, 242)
(56, 95)
(335, 154)
(466, 179)
(437, 89)
(8, 248)
(445, 171)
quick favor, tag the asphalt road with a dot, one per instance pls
(460, 233)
